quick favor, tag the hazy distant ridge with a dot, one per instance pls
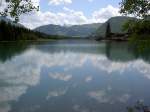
(70, 31)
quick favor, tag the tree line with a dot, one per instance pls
(140, 28)
(10, 32)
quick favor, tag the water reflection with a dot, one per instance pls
(85, 77)
(8, 50)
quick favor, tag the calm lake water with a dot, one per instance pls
(72, 76)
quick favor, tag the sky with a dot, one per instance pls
(70, 12)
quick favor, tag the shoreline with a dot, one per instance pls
(46, 40)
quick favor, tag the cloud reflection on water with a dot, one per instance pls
(104, 96)
(60, 76)
(23, 71)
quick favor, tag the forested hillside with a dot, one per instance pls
(11, 32)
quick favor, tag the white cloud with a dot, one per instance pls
(67, 16)
(59, 2)
(62, 2)
(36, 2)
(3, 5)
(104, 14)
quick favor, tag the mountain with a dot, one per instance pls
(113, 26)
(69, 31)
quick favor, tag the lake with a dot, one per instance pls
(72, 76)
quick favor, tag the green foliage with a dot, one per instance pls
(138, 8)
(138, 28)
(16, 8)
(139, 34)
(10, 32)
